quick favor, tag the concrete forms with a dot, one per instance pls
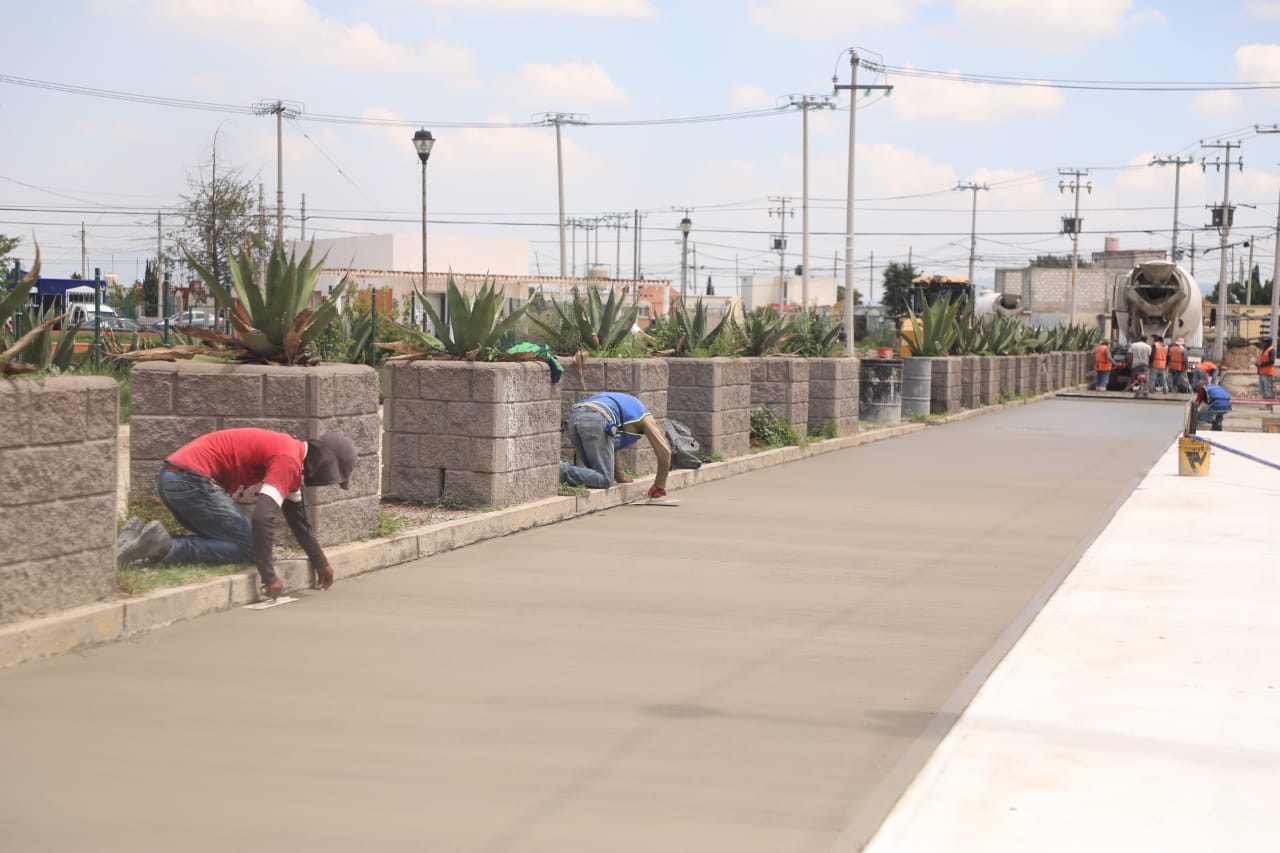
(57, 494)
(485, 434)
(175, 402)
(833, 394)
(782, 384)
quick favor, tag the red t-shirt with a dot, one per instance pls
(240, 458)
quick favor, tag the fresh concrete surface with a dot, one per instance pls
(1139, 711)
(757, 669)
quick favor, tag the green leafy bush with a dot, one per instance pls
(769, 429)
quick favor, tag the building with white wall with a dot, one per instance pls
(759, 291)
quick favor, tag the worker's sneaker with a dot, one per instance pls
(151, 544)
(128, 532)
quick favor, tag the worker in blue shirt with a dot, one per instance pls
(1212, 404)
(603, 424)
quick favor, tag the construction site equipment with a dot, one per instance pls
(1158, 298)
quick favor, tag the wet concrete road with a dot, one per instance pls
(760, 669)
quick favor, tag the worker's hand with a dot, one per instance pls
(324, 577)
(272, 590)
(655, 493)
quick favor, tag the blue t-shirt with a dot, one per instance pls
(1218, 398)
(623, 411)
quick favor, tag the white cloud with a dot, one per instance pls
(1258, 62)
(947, 101)
(1217, 103)
(1262, 8)
(300, 28)
(575, 8)
(886, 170)
(752, 97)
(565, 85)
(1053, 26)
(819, 18)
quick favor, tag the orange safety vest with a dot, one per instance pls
(1177, 357)
(1159, 355)
(1268, 355)
(1102, 358)
(1207, 366)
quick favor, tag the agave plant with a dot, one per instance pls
(473, 330)
(691, 333)
(764, 332)
(934, 330)
(36, 345)
(272, 317)
(592, 323)
(813, 334)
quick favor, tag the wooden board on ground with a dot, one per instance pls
(660, 502)
(275, 602)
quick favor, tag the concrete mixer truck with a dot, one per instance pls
(1155, 298)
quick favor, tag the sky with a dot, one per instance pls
(99, 103)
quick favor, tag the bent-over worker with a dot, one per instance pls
(198, 480)
(1212, 404)
(603, 424)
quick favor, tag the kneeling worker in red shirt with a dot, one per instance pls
(198, 480)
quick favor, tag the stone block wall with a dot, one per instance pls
(947, 387)
(1026, 375)
(57, 494)
(712, 396)
(173, 403)
(642, 378)
(989, 380)
(970, 395)
(833, 394)
(486, 434)
(782, 384)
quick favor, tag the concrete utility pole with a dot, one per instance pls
(973, 223)
(853, 87)
(163, 299)
(302, 229)
(780, 245)
(1177, 163)
(1275, 266)
(558, 119)
(1224, 217)
(805, 103)
(1075, 186)
(84, 255)
(281, 110)
(871, 278)
(1248, 281)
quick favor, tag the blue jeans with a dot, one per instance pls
(1268, 385)
(1178, 380)
(1207, 415)
(1159, 378)
(594, 447)
(222, 533)
(1104, 376)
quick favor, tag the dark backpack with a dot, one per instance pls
(684, 447)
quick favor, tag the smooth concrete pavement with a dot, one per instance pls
(763, 668)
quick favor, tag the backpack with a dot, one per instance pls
(684, 447)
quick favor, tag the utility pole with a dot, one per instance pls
(1075, 186)
(871, 278)
(161, 299)
(556, 120)
(84, 255)
(262, 232)
(1177, 163)
(635, 248)
(1248, 282)
(805, 103)
(1193, 254)
(780, 245)
(302, 230)
(1222, 219)
(854, 61)
(281, 110)
(1275, 266)
(973, 223)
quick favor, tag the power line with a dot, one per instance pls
(1093, 85)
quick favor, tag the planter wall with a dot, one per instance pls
(989, 380)
(944, 395)
(57, 494)
(172, 403)
(1026, 375)
(642, 378)
(833, 394)
(1008, 375)
(712, 396)
(486, 434)
(782, 384)
(970, 398)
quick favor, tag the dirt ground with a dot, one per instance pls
(1242, 358)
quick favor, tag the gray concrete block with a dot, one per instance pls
(443, 380)
(203, 393)
(57, 411)
(151, 390)
(287, 393)
(36, 587)
(40, 531)
(152, 437)
(15, 416)
(413, 484)
(38, 474)
(403, 414)
(346, 520)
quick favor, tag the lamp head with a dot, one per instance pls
(423, 142)
(686, 224)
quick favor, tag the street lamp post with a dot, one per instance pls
(423, 142)
(685, 225)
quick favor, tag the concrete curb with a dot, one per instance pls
(115, 620)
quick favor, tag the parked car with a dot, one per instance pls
(199, 319)
(119, 325)
(83, 313)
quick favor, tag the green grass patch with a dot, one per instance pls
(390, 523)
(568, 491)
(447, 502)
(710, 457)
(138, 580)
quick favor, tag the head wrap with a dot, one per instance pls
(330, 460)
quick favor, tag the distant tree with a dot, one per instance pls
(1058, 261)
(897, 284)
(219, 215)
(857, 295)
(151, 291)
(7, 245)
(1259, 294)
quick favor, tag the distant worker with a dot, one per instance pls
(1267, 369)
(1178, 366)
(603, 424)
(1159, 364)
(1139, 360)
(196, 483)
(1103, 363)
(1206, 371)
(1212, 404)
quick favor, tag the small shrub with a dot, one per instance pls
(769, 429)
(824, 431)
(568, 491)
(710, 457)
(389, 524)
(447, 502)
